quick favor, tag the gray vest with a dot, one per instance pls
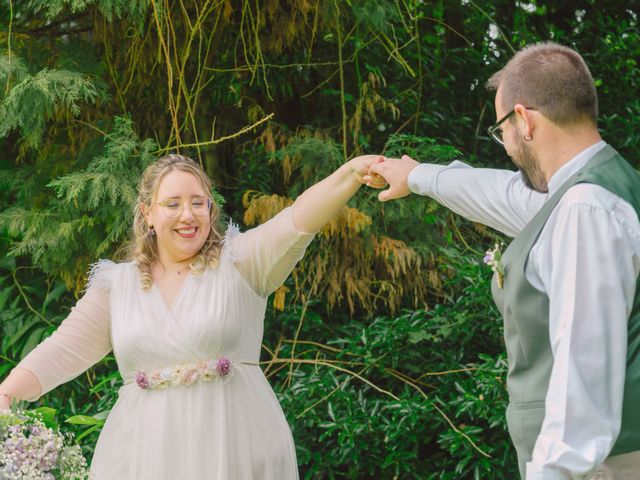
(526, 318)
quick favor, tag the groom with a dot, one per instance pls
(570, 295)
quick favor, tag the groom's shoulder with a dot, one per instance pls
(593, 196)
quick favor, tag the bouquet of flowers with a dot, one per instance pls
(33, 448)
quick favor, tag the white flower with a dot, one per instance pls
(493, 258)
(31, 450)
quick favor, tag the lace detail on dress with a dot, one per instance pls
(228, 252)
(100, 274)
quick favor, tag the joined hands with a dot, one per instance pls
(378, 171)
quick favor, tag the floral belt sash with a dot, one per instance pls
(186, 374)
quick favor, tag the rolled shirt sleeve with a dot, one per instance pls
(496, 198)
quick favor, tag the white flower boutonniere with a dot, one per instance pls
(493, 258)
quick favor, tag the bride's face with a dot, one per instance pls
(180, 216)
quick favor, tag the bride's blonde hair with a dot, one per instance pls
(143, 249)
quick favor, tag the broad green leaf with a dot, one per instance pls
(84, 420)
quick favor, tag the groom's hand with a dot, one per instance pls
(395, 172)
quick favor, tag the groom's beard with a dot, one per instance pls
(526, 162)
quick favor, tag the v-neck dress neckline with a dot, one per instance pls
(170, 309)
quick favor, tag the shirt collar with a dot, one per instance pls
(573, 165)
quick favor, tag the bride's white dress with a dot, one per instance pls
(229, 428)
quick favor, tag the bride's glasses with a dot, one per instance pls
(174, 208)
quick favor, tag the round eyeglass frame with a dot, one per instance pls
(177, 213)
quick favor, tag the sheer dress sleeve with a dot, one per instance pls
(266, 255)
(81, 340)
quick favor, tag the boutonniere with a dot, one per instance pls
(493, 258)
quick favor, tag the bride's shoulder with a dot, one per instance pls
(103, 273)
(230, 249)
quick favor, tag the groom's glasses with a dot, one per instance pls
(495, 131)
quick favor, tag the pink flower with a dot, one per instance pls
(189, 376)
(141, 380)
(223, 366)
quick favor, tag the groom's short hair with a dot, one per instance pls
(551, 78)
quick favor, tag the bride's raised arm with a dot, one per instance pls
(266, 254)
(321, 202)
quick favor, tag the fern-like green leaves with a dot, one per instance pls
(34, 98)
(129, 9)
(86, 210)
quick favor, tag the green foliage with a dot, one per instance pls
(24, 326)
(310, 158)
(35, 98)
(133, 10)
(86, 213)
(12, 68)
(425, 149)
(378, 399)
(378, 16)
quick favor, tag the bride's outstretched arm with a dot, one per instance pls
(320, 203)
(80, 341)
(266, 255)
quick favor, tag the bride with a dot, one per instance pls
(184, 318)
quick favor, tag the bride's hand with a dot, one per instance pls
(361, 167)
(395, 172)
